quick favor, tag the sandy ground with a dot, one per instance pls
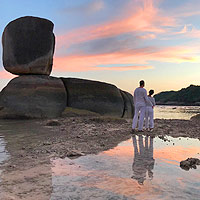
(27, 173)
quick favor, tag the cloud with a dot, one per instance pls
(122, 41)
(90, 8)
(189, 31)
(189, 9)
(141, 18)
(141, 56)
(6, 75)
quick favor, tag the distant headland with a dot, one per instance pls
(189, 96)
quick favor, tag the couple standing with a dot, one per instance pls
(143, 108)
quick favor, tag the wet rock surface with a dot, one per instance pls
(190, 163)
(28, 46)
(33, 96)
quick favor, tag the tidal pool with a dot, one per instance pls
(139, 168)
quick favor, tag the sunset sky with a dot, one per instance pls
(119, 41)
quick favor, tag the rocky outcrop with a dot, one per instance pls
(189, 163)
(95, 96)
(28, 46)
(128, 111)
(33, 96)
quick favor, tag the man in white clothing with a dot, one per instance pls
(140, 99)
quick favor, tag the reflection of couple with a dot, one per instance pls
(143, 108)
(143, 158)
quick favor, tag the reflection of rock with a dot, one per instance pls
(27, 173)
(94, 96)
(189, 163)
(28, 46)
(33, 96)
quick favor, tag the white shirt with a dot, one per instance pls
(140, 97)
(152, 101)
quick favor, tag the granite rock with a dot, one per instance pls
(28, 46)
(95, 96)
(33, 96)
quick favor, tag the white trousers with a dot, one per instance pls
(139, 109)
(149, 122)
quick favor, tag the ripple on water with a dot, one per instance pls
(139, 168)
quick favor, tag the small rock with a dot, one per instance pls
(53, 123)
(189, 163)
(47, 143)
(75, 153)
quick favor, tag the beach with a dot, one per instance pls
(32, 144)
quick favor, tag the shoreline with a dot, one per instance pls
(162, 104)
(32, 149)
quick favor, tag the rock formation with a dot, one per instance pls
(189, 163)
(94, 96)
(33, 96)
(28, 46)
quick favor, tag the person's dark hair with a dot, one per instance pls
(151, 92)
(141, 83)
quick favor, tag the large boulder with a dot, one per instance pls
(33, 96)
(95, 96)
(28, 46)
(128, 104)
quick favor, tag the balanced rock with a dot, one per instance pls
(28, 46)
(95, 96)
(33, 96)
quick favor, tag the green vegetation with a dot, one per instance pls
(185, 96)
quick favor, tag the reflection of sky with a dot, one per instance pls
(109, 173)
(3, 153)
(119, 41)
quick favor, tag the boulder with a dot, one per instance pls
(189, 163)
(28, 46)
(33, 96)
(128, 104)
(95, 96)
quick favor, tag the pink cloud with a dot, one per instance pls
(6, 75)
(142, 56)
(144, 18)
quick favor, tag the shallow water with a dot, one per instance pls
(176, 112)
(140, 168)
(3, 153)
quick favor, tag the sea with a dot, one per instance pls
(175, 112)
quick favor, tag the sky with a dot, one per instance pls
(118, 41)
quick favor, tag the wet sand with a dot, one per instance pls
(32, 144)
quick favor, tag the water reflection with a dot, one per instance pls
(143, 161)
(25, 175)
(108, 174)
